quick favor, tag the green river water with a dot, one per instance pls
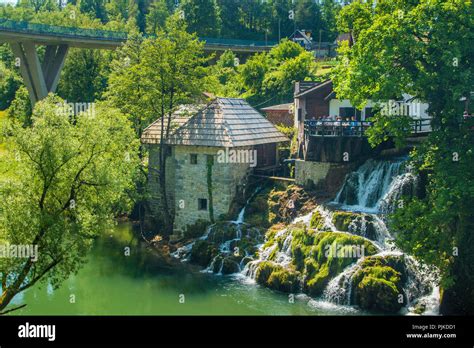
(111, 283)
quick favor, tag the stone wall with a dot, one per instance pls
(187, 183)
(322, 176)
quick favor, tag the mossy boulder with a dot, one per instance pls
(277, 277)
(230, 265)
(356, 223)
(342, 219)
(378, 286)
(317, 221)
(203, 252)
(320, 256)
(278, 204)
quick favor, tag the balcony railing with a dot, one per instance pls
(319, 128)
(326, 128)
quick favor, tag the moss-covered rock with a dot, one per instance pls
(378, 294)
(317, 221)
(278, 204)
(342, 219)
(378, 284)
(203, 252)
(356, 223)
(276, 277)
(320, 256)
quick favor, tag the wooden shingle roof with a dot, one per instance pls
(225, 122)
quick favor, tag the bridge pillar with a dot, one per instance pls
(40, 78)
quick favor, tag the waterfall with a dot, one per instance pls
(225, 247)
(365, 187)
(373, 190)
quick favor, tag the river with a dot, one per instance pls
(111, 283)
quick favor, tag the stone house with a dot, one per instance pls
(212, 150)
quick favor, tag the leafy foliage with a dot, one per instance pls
(419, 47)
(68, 174)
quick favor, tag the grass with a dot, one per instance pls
(325, 67)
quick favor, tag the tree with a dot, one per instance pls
(68, 174)
(156, 17)
(308, 16)
(20, 108)
(9, 83)
(151, 78)
(268, 78)
(421, 48)
(95, 7)
(83, 78)
(202, 17)
(329, 12)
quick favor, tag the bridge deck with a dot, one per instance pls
(45, 34)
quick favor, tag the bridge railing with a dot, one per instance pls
(237, 42)
(328, 128)
(99, 34)
(38, 28)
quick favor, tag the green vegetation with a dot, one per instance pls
(276, 277)
(378, 284)
(317, 256)
(150, 78)
(420, 48)
(69, 182)
(209, 165)
(275, 204)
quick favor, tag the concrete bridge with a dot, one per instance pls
(42, 77)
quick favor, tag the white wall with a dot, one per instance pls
(417, 109)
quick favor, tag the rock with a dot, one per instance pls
(202, 253)
(276, 277)
(197, 229)
(378, 294)
(222, 232)
(379, 286)
(342, 219)
(230, 266)
(317, 221)
(320, 256)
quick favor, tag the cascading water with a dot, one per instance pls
(375, 188)
(372, 191)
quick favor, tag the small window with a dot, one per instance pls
(202, 204)
(194, 158)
